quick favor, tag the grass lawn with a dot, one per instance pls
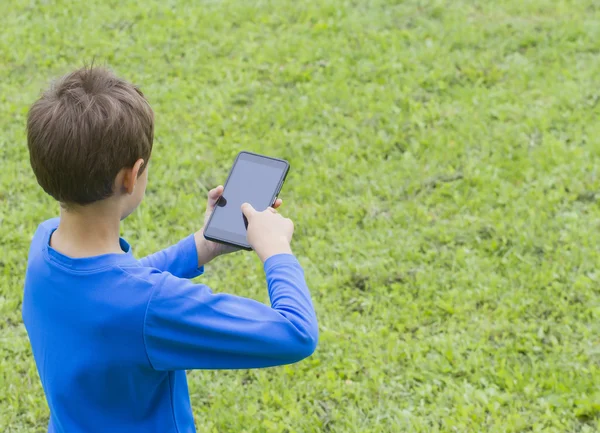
(445, 186)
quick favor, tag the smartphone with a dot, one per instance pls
(254, 179)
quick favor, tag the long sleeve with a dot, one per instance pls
(181, 259)
(189, 327)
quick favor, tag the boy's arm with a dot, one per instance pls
(181, 259)
(187, 258)
(189, 327)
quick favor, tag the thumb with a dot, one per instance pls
(248, 210)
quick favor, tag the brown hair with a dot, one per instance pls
(87, 127)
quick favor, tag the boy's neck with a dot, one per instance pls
(88, 231)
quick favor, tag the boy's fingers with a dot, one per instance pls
(277, 203)
(213, 197)
(215, 193)
(248, 210)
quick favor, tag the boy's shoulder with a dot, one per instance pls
(50, 224)
(44, 229)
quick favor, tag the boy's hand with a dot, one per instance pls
(208, 250)
(269, 233)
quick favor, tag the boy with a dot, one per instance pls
(112, 336)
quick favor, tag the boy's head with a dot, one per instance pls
(90, 138)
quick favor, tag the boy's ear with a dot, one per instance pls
(131, 176)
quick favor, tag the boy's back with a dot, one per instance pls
(81, 316)
(112, 336)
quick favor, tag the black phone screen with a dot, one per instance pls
(254, 179)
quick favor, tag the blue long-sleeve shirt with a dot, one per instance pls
(112, 336)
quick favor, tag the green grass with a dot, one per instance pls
(445, 186)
